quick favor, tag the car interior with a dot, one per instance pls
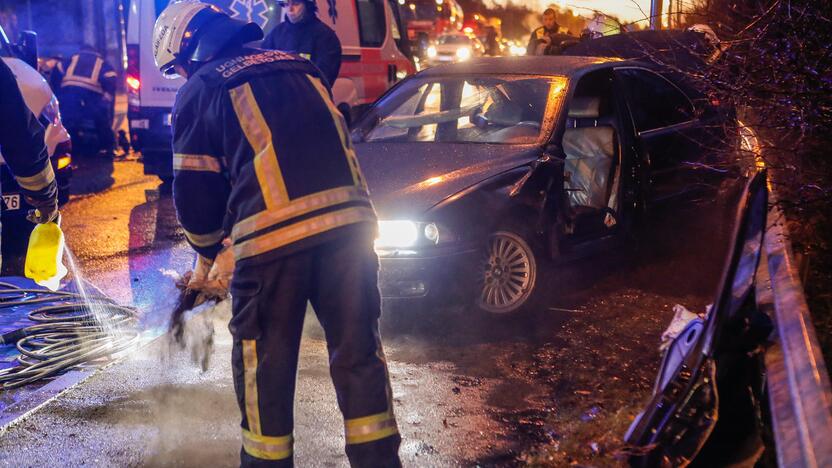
(486, 110)
(592, 168)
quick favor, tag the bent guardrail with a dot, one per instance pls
(800, 397)
(701, 409)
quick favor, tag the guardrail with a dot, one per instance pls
(800, 396)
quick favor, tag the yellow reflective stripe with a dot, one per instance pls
(343, 133)
(259, 137)
(301, 230)
(39, 181)
(297, 207)
(196, 162)
(81, 84)
(267, 447)
(205, 240)
(110, 74)
(370, 428)
(250, 380)
(96, 69)
(73, 62)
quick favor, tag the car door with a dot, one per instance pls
(670, 138)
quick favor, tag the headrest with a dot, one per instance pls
(585, 107)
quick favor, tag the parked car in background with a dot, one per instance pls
(489, 172)
(450, 48)
(375, 56)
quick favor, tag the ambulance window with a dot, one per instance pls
(371, 22)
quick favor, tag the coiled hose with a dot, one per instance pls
(70, 329)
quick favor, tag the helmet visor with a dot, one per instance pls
(169, 70)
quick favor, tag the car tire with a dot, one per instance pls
(509, 274)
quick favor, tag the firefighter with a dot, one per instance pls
(262, 154)
(88, 90)
(542, 37)
(21, 142)
(304, 34)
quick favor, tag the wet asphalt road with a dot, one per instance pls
(558, 385)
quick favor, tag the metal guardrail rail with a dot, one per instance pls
(800, 396)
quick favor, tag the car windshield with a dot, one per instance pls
(455, 40)
(471, 109)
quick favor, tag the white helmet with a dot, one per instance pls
(193, 31)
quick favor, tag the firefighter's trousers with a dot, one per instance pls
(339, 278)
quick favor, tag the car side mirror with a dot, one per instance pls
(27, 48)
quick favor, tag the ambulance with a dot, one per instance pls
(374, 47)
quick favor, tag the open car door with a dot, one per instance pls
(672, 136)
(703, 410)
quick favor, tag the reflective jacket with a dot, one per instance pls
(21, 142)
(311, 39)
(88, 70)
(261, 153)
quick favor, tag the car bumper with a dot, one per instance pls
(150, 133)
(411, 275)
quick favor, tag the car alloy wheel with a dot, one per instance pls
(509, 273)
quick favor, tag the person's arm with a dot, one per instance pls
(327, 56)
(21, 140)
(531, 48)
(200, 184)
(108, 79)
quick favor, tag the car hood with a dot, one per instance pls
(406, 179)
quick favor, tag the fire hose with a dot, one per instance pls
(70, 329)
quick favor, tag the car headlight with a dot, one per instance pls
(431, 52)
(463, 53)
(397, 234)
(406, 234)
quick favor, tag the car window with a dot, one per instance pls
(371, 22)
(654, 101)
(478, 109)
(453, 40)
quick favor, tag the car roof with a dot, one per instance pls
(679, 48)
(533, 65)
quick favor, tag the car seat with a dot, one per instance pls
(589, 144)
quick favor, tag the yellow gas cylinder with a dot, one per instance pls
(44, 258)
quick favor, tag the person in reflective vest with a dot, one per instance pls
(261, 154)
(87, 90)
(303, 33)
(22, 147)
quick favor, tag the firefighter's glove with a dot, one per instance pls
(219, 278)
(199, 275)
(44, 212)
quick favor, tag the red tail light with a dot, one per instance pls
(133, 74)
(133, 83)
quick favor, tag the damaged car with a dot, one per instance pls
(488, 174)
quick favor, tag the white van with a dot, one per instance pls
(372, 61)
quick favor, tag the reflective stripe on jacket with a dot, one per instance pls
(262, 154)
(88, 70)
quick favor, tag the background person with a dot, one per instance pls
(88, 90)
(303, 33)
